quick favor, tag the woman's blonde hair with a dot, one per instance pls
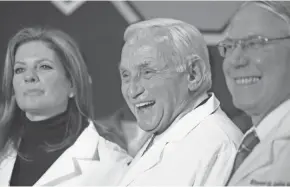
(80, 107)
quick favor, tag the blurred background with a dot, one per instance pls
(98, 27)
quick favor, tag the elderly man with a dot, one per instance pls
(256, 67)
(165, 73)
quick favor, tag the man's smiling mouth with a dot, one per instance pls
(144, 105)
(247, 80)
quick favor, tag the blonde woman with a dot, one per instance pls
(48, 136)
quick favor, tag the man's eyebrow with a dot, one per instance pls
(142, 64)
(121, 69)
(252, 36)
(145, 63)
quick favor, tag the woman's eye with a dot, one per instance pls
(18, 70)
(45, 67)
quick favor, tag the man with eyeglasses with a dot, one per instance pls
(165, 73)
(256, 68)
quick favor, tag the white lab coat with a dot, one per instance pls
(77, 165)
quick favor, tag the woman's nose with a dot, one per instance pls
(31, 76)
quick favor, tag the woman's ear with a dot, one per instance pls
(194, 69)
(71, 95)
(71, 90)
(90, 80)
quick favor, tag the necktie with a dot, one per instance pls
(248, 144)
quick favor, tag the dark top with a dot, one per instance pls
(33, 160)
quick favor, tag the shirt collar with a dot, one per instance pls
(272, 120)
(89, 137)
(189, 120)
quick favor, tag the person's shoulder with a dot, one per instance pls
(215, 131)
(279, 163)
(108, 150)
(283, 128)
(209, 138)
(286, 119)
(112, 152)
(222, 126)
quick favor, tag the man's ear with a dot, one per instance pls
(195, 75)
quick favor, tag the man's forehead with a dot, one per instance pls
(253, 19)
(147, 49)
(137, 54)
(139, 49)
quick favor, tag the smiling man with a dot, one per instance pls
(166, 75)
(256, 67)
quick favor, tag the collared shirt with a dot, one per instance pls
(267, 164)
(272, 120)
(201, 99)
(199, 149)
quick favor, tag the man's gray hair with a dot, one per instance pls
(279, 8)
(184, 39)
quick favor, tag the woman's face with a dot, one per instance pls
(39, 81)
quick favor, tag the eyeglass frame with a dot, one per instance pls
(242, 42)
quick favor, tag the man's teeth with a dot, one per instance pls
(247, 80)
(145, 104)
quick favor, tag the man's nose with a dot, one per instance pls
(31, 76)
(237, 59)
(135, 90)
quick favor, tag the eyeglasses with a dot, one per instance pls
(227, 46)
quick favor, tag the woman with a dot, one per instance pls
(48, 135)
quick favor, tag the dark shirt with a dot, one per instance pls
(33, 160)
